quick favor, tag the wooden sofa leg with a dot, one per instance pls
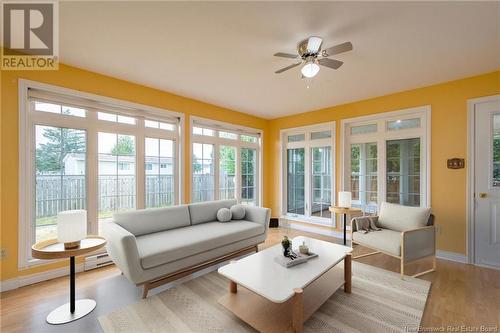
(145, 290)
(402, 268)
(256, 248)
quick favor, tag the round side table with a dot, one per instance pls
(344, 211)
(52, 249)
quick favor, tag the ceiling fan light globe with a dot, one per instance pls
(310, 69)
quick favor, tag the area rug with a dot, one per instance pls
(380, 302)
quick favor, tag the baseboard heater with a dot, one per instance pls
(96, 261)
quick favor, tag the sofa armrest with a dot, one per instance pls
(122, 248)
(259, 215)
(418, 243)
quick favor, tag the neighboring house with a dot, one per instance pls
(74, 164)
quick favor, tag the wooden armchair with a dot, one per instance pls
(406, 233)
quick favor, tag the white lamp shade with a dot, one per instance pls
(71, 226)
(344, 199)
(310, 69)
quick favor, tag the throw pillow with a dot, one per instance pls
(238, 212)
(224, 215)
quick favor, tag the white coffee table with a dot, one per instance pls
(279, 299)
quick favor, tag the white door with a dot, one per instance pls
(487, 183)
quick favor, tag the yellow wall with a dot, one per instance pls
(74, 78)
(449, 124)
(448, 139)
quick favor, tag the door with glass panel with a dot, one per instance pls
(60, 176)
(116, 174)
(487, 184)
(321, 181)
(249, 176)
(296, 198)
(363, 177)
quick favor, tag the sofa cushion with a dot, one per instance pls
(146, 221)
(224, 215)
(202, 212)
(168, 246)
(385, 240)
(401, 218)
(238, 212)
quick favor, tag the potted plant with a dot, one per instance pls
(287, 245)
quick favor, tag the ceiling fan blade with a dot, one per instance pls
(288, 67)
(341, 48)
(286, 55)
(314, 44)
(331, 63)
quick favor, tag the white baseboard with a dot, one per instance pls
(452, 256)
(25, 280)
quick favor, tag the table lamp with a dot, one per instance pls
(344, 199)
(71, 227)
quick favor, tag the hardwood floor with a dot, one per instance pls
(460, 294)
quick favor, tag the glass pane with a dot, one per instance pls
(126, 120)
(72, 111)
(228, 135)
(106, 116)
(321, 135)
(403, 171)
(203, 172)
(248, 138)
(116, 174)
(295, 181)
(60, 174)
(151, 123)
(403, 124)
(363, 129)
(296, 137)
(167, 126)
(159, 169)
(321, 181)
(47, 107)
(364, 174)
(227, 172)
(496, 150)
(248, 176)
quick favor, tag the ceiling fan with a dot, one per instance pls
(309, 50)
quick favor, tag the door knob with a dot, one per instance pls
(483, 195)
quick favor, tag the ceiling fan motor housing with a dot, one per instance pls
(304, 51)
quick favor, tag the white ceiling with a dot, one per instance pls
(222, 53)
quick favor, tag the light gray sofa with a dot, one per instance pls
(406, 233)
(156, 246)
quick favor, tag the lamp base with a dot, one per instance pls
(71, 245)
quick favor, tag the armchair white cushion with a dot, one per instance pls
(407, 233)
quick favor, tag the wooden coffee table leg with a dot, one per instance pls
(298, 310)
(348, 273)
(233, 287)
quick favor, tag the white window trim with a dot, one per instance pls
(284, 144)
(216, 125)
(424, 132)
(26, 158)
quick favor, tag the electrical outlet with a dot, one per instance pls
(3, 253)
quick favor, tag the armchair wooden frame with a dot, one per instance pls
(402, 257)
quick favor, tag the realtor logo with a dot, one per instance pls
(29, 35)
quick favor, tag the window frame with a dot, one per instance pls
(380, 137)
(29, 118)
(307, 144)
(217, 141)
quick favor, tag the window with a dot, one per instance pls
(225, 162)
(386, 159)
(496, 150)
(60, 176)
(81, 151)
(308, 168)
(160, 175)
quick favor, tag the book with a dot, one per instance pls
(289, 262)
